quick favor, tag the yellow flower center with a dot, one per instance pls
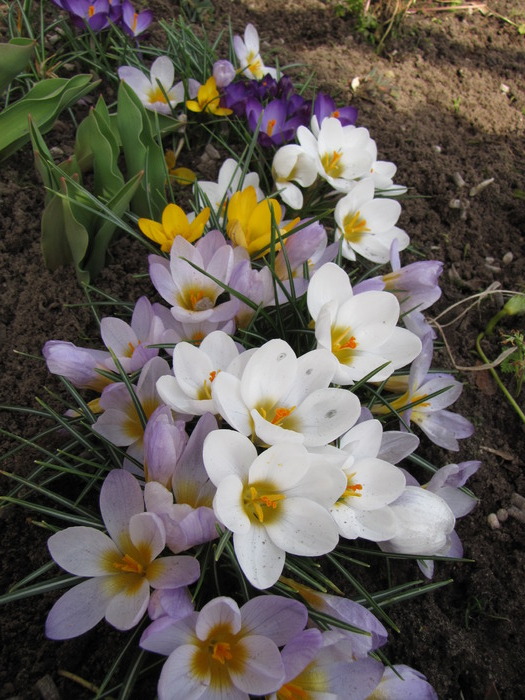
(221, 652)
(280, 413)
(343, 344)
(204, 392)
(261, 501)
(155, 94)
(352, 490)
(331, 163)
(130, 565)
(354, 227)
(194, 299)
(217, 655)
(291, 691)
(271, 126)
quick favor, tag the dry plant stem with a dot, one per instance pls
(497, 379)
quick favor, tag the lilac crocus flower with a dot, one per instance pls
(186, 511)
(225, 651)
(324, 106)
(121, 566)
(134, 23)
(401, 682)
(164, 442)
(78, 365)
(256, 285)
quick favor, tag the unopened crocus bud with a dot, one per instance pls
(223, 72)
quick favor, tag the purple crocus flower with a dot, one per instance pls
(95, 14)
(274, 126)
(324, 106)
(134, 23)
(236, 95)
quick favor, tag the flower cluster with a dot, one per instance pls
(255, 405)
(100, 14)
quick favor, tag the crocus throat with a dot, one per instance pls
(331, 164)
(262, 505)
(221, 652)
(290, 691)
(354, 227)
(91, 10)
(271, 126)
(352, 490)
(156, 95)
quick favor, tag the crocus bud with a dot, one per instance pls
(223, 72)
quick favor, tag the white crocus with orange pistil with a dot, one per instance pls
(274, 503)
(359, 330)
(247, 52)
(121, 567)
(279, 397)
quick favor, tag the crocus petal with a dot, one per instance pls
(228, 504)
(261, 561)
(173, 572)
(82, 551)
(227, 452)
(263, 671)
(326, 414)
(220, 612)
(120, 499)
(147, 534)
(304, 527)
(79, 609)
(275, 617)
(127, 607)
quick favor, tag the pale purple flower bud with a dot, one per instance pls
(78, 365)
(223, 72)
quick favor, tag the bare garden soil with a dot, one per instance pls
(446, 98)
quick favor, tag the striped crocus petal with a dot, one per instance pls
(79, 609)
(120, 499)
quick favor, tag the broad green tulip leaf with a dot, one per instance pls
(118, 205)
(43, 103)
(14, 56)
(141, 152)
(55, 248)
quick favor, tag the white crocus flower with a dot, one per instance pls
(274, 503)
(360, 331)
(229, 180)
(248, 55)
(292, 164)
(280, 397)
(342, 153)
(367, 225)
(157, 92)
(195, 369)
(372, 484)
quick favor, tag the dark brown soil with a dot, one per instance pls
(447, 98)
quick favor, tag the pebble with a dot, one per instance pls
(502, 514)
(493, 521)
(458, 180)
(507, 258)
(518, 500)
(517, 513)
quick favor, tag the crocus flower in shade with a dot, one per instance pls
(186, 510)
(360, 331)
(223, 72)
(96, 14)
(208, 100)
(194, 333)
(134, 23)
(186, 281)
(164, 442)
(441, 426)
(223, 651)
(280, 397)
(183, 176)
(320, 665)
(121, 566)
(236, 96)
(341, 153)
(174, 223)
(274, 503)
(275, 127)
(324, 106)
(401, 682)
(120, 422)
(157, 92)
(256, 285)
(251, 224)
(130, 342)
(231, 178)
(367, 225)
(425, 523)
(195, 369)
(347, 611)
(78, 365)
(248, 55)
(291, 164)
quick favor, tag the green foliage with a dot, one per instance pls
(515, 362)
(14, 56)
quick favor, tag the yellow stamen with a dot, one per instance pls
(354, 227)
(155, 94)
(331, 164)
(129, 564)
(282, 413)
(261, 505)
(351, 488)
(271, 126)
(290, 691)
(343, 344)
(221, 652)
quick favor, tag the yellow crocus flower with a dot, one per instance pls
(174, 223)
(208, 100)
